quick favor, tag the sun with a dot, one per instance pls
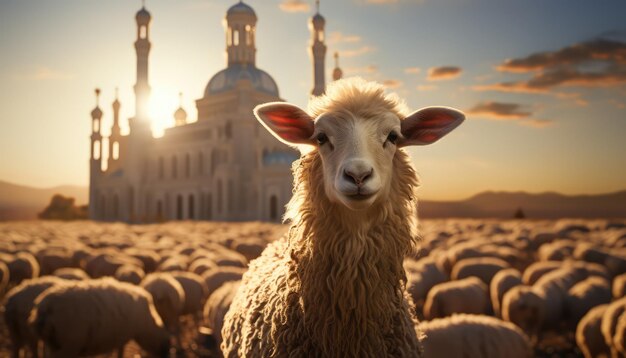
(163, 102)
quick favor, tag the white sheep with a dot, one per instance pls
(483, 268)
(96, 317)
(463, 335)
(196, 293)
(538, 269)
(23, 266)
(468, 295)
(129, 273)
(17, 306)
(422, 275)
(612, 315)
(216, 277)
(201, 265)
(585, 295)
(169, 299)
(337, 288)
(71, 273)
(216, 307)
(501, 283)
(589, 336)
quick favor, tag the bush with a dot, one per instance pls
(63, 208)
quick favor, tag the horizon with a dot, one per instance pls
(534, 124)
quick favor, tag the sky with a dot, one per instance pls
(543, 83)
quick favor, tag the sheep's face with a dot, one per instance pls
(357, 156)
(357, 147)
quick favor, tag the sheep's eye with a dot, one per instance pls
(392, 137)
(321, 139)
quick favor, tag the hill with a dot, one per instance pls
(536, 206)
(20, 202)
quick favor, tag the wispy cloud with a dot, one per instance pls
(443, 73)
(392, 83)
(412, 70)
(44, 73)
(595, 63)
(294, 6)
(357, 52)
(337, 37)
(499, 110)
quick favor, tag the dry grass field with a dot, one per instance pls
(172, 247)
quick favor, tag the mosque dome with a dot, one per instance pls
(96, 113)
(143, 16)
(180, 116)
(241, 8)
(318, 20)
(227, 78)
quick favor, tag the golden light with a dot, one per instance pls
(163, 102)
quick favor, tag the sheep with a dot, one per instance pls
(468, 295)
(614, 312)
(4, 277)
(98, 316)
(558, 250)
(616, 264)
(250, 249)
(105, 264)
(483, 268)
(585, 295)
(17, 307)
(130, 274)
(464, 335)
(169, 299)
(501, 283)
(538, 269)
(619, 286)
(217, 276)
(619, 339)
(201, 266)
(70, 273)
(196, 293)
(52, 260)
(23, 266)
(216, 307)
(589, 336)
(350, 225)
(421, 277)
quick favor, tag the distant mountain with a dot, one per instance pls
(19, 202)
(535, 206)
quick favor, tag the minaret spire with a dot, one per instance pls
(142, 86)
(180, 116)
(318, 51)
(337, 72)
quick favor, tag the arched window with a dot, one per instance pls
(200, 163)
(161, 168)
(229, 36)
(116, 150)
(273, 208)
(220, 195)
(143, 32)
(96, 150)
(187, 165)
(236, 38)
(96, 125)
(248, 35)
(191, 214)
(320, 36)
(174, 167)
(179, 207)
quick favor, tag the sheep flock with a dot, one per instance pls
(481, 288)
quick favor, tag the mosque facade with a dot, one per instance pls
(225, 166)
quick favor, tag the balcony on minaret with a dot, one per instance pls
(318, 52)
(240, 25)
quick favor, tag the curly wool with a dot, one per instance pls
(335, 286)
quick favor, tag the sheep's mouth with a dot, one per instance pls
(360, 196)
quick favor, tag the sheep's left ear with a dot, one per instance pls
(428, 125)
(287, 122)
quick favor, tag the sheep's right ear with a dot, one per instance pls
(287, 122)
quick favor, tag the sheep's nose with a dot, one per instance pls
(357, 175)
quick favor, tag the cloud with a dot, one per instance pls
(595, 63)
(45, 74)
(412, 70)
(361, 70)
(357, 52)
(337, 37)
(499, 111)
(392, 84)
(294, 6)
(443, 73)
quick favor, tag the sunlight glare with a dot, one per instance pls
(163, 103)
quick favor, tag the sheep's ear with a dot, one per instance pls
(287, 122)
(428, 125)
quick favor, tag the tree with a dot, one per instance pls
(519, 214)
(63, 208)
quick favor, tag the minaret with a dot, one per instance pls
(180, 116)
(114, 138)
(318, 51)
(142, 87)
(95, 157)
(337, 72)
(240, 32)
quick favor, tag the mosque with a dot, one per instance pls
(202, 170)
